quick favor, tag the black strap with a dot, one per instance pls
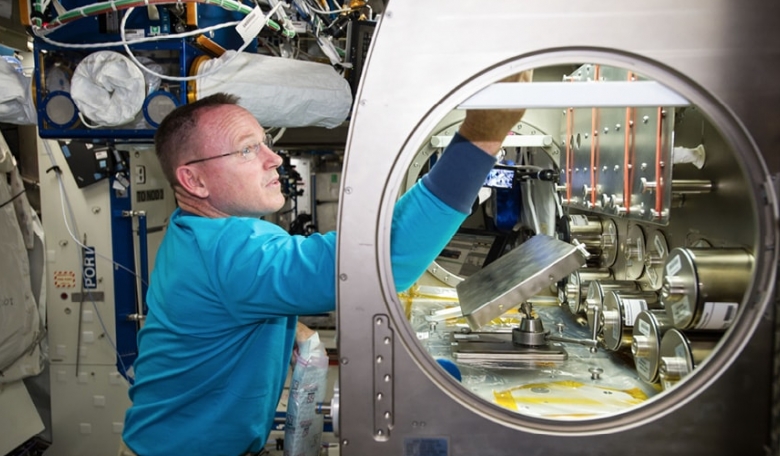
(13, 198)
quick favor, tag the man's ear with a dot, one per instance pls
(191, 181)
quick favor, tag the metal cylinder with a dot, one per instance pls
(576, 289)
(680, 186)
(595, 298)
(583, 227)
(703, 287)
(530, 333)
(681, 353)
(634, 252)
(688, 186)
(649, 327)
(599, 237)
(619, 313)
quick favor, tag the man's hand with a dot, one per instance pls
(487, 128)
(302, 333)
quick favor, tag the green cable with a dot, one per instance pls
(38, 9)
(100, 7)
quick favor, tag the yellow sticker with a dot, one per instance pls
(64, 279)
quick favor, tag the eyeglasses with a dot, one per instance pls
(248, 153)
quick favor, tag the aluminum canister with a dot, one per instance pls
(598, 235)
(703, 287)
(576, 289)
(596, 290)
(681, 353)
(620, 312)
(649, 327)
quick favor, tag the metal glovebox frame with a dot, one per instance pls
(427, 58)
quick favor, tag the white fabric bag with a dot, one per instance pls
(21, 328)
(108, 88)
(280, 92)
(16, 106)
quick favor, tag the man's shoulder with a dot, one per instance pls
(204, 225)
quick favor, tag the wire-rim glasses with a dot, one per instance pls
(248, 153)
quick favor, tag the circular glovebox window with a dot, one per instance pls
(595, 283)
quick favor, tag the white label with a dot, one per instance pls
(631, 308)
(300, 27)
(652, 275)
(717, 315)
(643, 327)
(643, 367)
(674, 266)
(251, 25)
(680, 311)
(659, 246)
(134, 34)
(423, 335)
(579, 220)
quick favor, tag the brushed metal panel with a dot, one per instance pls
(599, 138)
(515, 277)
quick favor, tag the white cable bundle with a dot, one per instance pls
(280, 92)
(108, 88)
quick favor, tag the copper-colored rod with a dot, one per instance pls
(658, 177)
(594, 144)
(628, 144)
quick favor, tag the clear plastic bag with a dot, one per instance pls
(303, 427)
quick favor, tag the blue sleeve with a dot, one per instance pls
(269, 273)
(430, 213)
(459, 174)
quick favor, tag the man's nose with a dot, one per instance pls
(271, 158)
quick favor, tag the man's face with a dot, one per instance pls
(237, 185)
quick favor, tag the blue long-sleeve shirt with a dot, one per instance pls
(223, 303)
